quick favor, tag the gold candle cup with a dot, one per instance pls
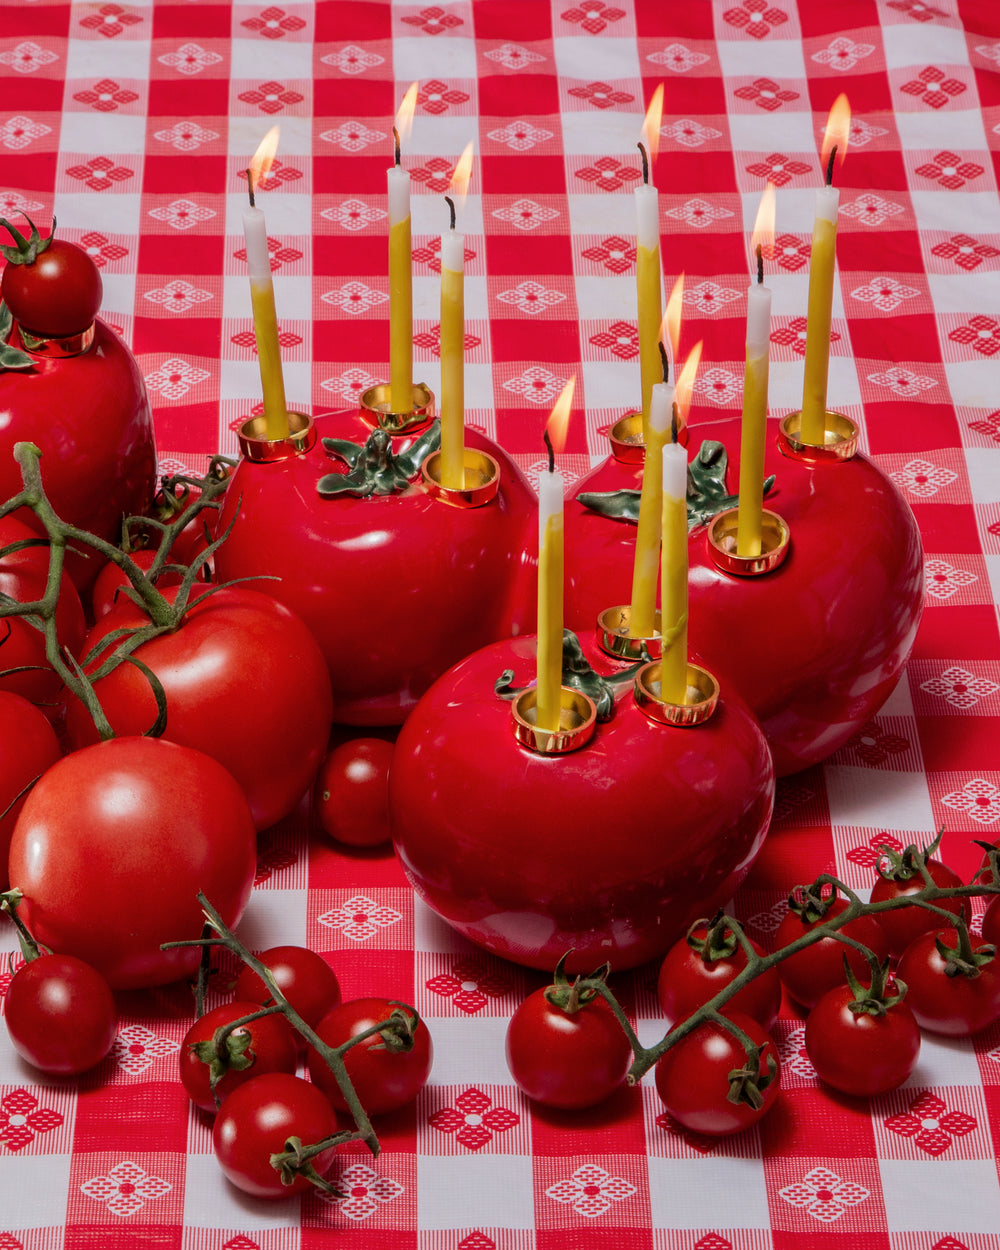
(721, 539)
(699, 704)
(840, 439)
(256, 446)
(482, 479)
(376, 409)
(577, 721)
(614, 638)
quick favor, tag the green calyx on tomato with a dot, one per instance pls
(718, 942)
(876, 998)
(747, 1084)
(570, 996)
(963, 959)
(25, 250)
(811, 903)
(904, 865)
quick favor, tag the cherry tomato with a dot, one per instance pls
(905, 925)
(112, 847)
(111, 582)
(693, 972)
(991, 922)
(946, 1002)
(256, 1121)
(694, 1078)
(384, 1077)
(264, 1045)
(245, 682)
(60, 1014)
(352, 792)
(28, 746)
(56, 294)
(303, 976)
(566, 1059)
(859, 1053)
(808, 974)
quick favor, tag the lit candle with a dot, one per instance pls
(755, 378)
(550, 570)
(400, 266)
(453, 336)
(647, 262)
(821, 270)
(674, 575)
(265, 318)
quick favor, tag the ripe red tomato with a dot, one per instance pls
(859, 1053)
(28, 746)
(114, 844)
(991, 922)
(60, 1014)
(258, 1118)
(384, 1076)
(351, 796)
(955, 1004)
(55, 294)
(808, 974)
(264, 1045)
(694, 1078)
(111, 582)
(566, 1059)
(695, 970)
(905, 925)
(303, 976)
(245, 682)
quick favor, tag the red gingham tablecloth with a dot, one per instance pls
(134, 121)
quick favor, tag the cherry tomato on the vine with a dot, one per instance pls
(567, 1059)
(351, 795)
(809, 973)
(57, 293)
(858, 1052)
(263, 1045)
(28, 746)
(695, 970)
(256, 1121)
(905, 925)
(60, 1014)
(302, 975)
(956, 1003)
(991, 922)
(695, 1078)
(385, 1074)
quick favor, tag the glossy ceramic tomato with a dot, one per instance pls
(611, 851)
(396, 588)
(814, 647)
(90, 416)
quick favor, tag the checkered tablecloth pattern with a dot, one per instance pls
(134, 121)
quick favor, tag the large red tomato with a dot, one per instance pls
(114, 844)
(245, 682)
(395, 587)
(28, 746)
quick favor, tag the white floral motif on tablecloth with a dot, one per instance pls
(591, 1190)
(959, 687)
(824, 1195)
(861, 132)
(718, 385)
(942, 580)
(360, 918)
(353, 136)
(353, 60)
(174, 378)
(931, 1124)
(182, 214)
(513, 56)
(21, 1119)
(793, 1056)
(698, 213)
(979, 799)
(353, 214)
(520, 136)
(922, 478)
(126, 1188)
(871, 209)
(526, 214)
(19, 132)
(688, 133)
(178, 296)
(902, 381)
(885, 294)
(843, 53)
(364, 1192)
(351, 384)
(137, 1048)
(185, 136)
(27, 57)
(354, 297)
(537, 385)
(531, 297)
(678, 58)
(709, 297)
(190, 58)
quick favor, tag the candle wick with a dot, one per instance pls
(829, 166)
(552, 454)
(675, 422)
(645, 164)
(395, 140)
(760, 264)
(664, 361)
(250, 188)
(451, 205)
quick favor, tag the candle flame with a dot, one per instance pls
(263, 158)
(651, 124)
(558, 422)
(404, 117)
(459, 185)
(670, 328)
(838, 128)
(763, 227)
(685, 383)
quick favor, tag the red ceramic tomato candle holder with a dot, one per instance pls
(396, 587)
(610, 850)
(816, 642)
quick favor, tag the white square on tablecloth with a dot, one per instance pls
(419, 59)
(606, 215)
(711, 1192)
(210, 1201)
(865, 796)
(983, 465)
(609, 60)
(960, 130)
(972, 383)
(120, 133)
(33, 1191)
(476, 1192)
(968, 212)
(606, 299)
(957, 1196)
(117, 213)
(790, 133)
(108, 58)
(607, 133)
(993, 569)
(270, 59)
(944, 1061)
(274, 918)
(923, 43)
(469, 1052)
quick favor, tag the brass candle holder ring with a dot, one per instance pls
(625, 437)
(255, 445)
(378, 412)
(840, 439)
(482, 479)
(699, 701)
(577, 721)
(57, 347)
(614, 635)
(722, 539)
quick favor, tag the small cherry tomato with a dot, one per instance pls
(948, 994)
(256, 1121)
(302, 975)
(51, 286)
(899, 877)
(991, 921)
(28, 746)
(809, 973)
(700, 965)
(385, 1073)
(858, 1052)
(352, 792)
(697, 1078)
(60, 1014)
(566, 1058)
(110, 584)
(264, 1045)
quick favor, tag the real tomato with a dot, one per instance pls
(566, 1059)
(28, 746)
(112, 847)
(903, 879)
(706, 961)
(858, 1052)
(948, 995)
(304, 977)
(351, 795)
(258, 1119)
(60, 1014)
(991, 922)
(51, 286)
(385, 1072)
(697, 1079)
(809, 973)
(263, 1045)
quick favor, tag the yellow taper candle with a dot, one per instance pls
(551, 485)
(646, 567)
(453, 336)
(647, 261)
(265, 317)
(401, 267)
(674, 575)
